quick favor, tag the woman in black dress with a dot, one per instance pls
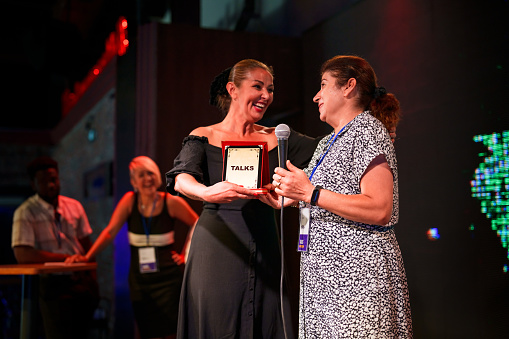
(155, 277)
(231, 279)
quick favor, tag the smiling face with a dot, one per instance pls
(144, 180)
(330, 98)
(145, 175)
(254, 94)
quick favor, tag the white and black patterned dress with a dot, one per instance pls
(353, 282)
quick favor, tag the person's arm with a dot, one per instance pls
(180, 209)
(118, 218)
(219, 193)
(373, 206)
(29, 255)
(24, 240)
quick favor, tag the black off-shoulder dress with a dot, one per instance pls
(231, 279)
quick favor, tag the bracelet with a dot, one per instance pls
(315, 195)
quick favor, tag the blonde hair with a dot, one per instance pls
(148, 164)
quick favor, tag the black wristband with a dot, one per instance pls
(315, 195)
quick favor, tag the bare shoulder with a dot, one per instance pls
(169, 197)
(204, 131)
(126, 203)
(213, 133)
(172, 200)
(128, 197)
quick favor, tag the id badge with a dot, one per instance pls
(304, 230)
(148, 260)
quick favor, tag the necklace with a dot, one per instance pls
(142, 206)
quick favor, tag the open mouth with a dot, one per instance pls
(260, 106)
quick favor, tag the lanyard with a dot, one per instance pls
(143, 220)
(327, 151)
(58, 225)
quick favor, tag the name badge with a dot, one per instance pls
(304, 229)
(148, 260)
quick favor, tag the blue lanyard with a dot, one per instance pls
(327, 151)
(143, 220)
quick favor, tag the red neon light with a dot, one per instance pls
(116, 44)
(122, 36)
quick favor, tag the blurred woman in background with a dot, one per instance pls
(155, 277)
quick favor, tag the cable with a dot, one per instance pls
(281, 283)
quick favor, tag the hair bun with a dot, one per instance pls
(218, 86)
(379, 91)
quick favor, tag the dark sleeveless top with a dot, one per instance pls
(154, 296)
(161, 226)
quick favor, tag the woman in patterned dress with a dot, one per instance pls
(353, 282)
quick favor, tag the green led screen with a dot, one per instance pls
(491, 183)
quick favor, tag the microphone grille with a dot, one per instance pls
(282, 131)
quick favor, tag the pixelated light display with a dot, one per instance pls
(491, 183)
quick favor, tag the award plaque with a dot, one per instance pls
(246, 164)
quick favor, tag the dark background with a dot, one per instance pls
(446, 61)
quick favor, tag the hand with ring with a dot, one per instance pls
(277, 180)
(296, 186)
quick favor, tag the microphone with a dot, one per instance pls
(282, 134)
